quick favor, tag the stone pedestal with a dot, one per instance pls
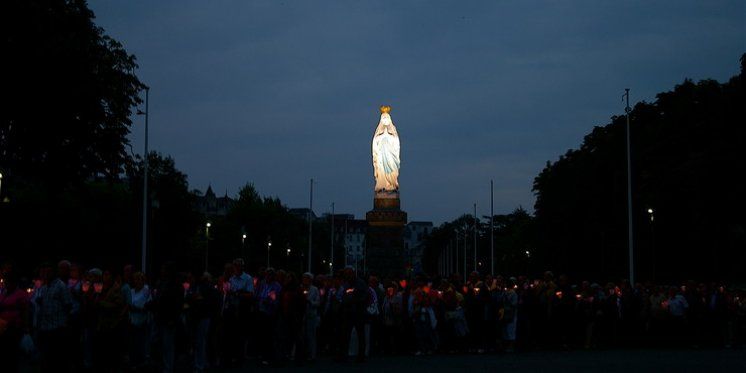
(385, 238)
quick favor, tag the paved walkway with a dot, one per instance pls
(634, 361)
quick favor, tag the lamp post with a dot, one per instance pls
(243, 245)
(269, 247)
(207, 245)
(310, 225)
(492, 229)
(331, 262)
(475, 237)
(630, 227)
(145, 186)
(651, 214)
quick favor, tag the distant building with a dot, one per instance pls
(302, 213)
(354, 242)
(415, 234)
(349, 236)
(211, 205)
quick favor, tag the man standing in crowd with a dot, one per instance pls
(238, 312)
(268, 299)
(354, 299)
(313, 300)
(169, 302)
(53, 304)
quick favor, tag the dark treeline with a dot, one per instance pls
(688, 153)
(71, 184)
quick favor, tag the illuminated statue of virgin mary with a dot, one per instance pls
(386, 154)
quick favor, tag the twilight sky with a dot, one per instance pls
(277, 92)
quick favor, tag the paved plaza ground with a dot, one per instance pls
(635, 361)
(684, 360)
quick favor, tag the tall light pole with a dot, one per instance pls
(346, 253)
(207, 245)
(331, 262)
(475, 237)
(456, 265)
(243, 245)
(145, 186)
(651, 214)
(269, 247)
(492, 229)
(630, 227)
(465, 236)
(310, 225)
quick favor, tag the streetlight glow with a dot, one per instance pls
(208, 225)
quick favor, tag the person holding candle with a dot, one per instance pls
(313, 300)
(268, 302)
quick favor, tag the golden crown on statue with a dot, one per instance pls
(385, 109)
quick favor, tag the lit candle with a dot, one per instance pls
(86, 286)
(578, 296)
(98, 287)
(558, 294)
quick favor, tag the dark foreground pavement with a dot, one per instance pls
(635, 361)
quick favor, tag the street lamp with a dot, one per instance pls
(651, 213)
(269, 246)
(145, 185)
(243, 245)
(207, 245)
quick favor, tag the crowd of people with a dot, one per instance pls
(71, 318)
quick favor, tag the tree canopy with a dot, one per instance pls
(71, 90)
(688, 152)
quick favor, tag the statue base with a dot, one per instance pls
(385, 238)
